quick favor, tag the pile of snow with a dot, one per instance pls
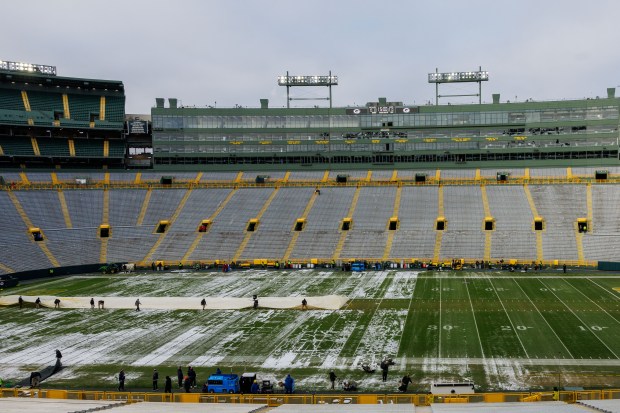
(328, 302)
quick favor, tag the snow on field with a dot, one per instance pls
(402, 285)
(351, 320)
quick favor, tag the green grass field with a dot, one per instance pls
(503, 330)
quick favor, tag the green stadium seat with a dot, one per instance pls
(12, 145)
(53, 146)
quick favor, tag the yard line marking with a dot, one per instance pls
(603, 288)
(370, 321)
(439, 350)
(408, 312)
(163, 352)
(579, 318)
(593, 302)
(509, 319)
(543, 317)
(471, 305)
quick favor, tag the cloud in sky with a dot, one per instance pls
(232, 51)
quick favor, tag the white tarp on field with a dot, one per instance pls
(327, 302)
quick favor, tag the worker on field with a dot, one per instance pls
(92, 303)
(37, 302)
(57, 303)
(332, 378)
(121, 380)
(20, 300)
(255, 388)
(304, 304)
(203, 303)
(168, 385)
(155, 379)
(289, 384)
(138, 304)
(180, 376)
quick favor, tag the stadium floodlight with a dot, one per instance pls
(27, 67)
(477, 76)
(287, 80)
(454, 77)
(290, 81)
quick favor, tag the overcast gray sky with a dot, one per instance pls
(231, 51)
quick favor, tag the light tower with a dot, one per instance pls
(290, 81)
(458, 77)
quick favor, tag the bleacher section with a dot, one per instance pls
(275, 229)
(115, 109)
(559, 206)
(513, 236)
(464, 214)
(53, 147)
(77, 123)
(16, 146)
(368, 235)
(228, 230)
(605, 228)
(322, 229)
(69, 216)
(89, 148)
(83, 106)
(11, 99)
(417, 214)
(49, 102)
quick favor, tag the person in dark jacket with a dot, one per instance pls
(180, 376)
(404, 383)
(332, 378)
(192, 376)
(168, 385)
(289, 384)
(255, 388)
(385, 366)
(187, 384)
(121, 380)
(155, 379)
(20, 300)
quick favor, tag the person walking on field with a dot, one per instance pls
(332, 378)
(121, 380)
(138, 304)
(304, 304)
(155, 379)
(20, 300)
(203, 303)
(92, 303)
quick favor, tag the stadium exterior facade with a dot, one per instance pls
(388, 135)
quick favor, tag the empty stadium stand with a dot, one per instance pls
(48, 121)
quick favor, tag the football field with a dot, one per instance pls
(502, 330)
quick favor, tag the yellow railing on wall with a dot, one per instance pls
(278, 399)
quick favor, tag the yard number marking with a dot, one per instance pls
(509, 328)
(594, 328)
(446, 327)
